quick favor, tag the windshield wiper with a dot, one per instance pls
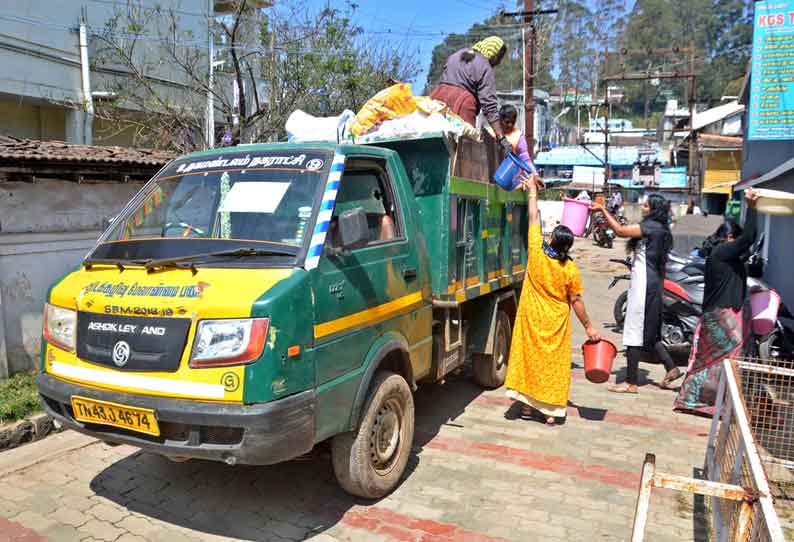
(89, 263)
(234, 253)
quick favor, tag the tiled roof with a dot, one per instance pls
(33, 150)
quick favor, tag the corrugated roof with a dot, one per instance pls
(578, 156)
(715, 114)
(772, 175)
(33, 150)
(670, 178)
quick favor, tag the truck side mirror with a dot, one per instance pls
(353, 229)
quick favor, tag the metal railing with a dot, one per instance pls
(732, 457)
(741, 501)
(768, 392)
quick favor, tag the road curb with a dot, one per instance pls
(22, 457)
(30, 429)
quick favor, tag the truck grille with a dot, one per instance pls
(131, 343)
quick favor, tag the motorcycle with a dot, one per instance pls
(603, 235)
(597, 225)
(682, 299)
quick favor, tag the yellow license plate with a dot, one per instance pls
(141, 420)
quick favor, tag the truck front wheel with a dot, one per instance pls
(490, 370)
(369, 462)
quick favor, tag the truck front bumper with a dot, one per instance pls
(260, 434)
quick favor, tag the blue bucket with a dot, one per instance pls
(506, 175)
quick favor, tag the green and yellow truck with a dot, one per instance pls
(254, 301)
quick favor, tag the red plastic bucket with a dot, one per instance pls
(598, 358)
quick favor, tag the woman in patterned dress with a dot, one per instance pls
(539, 368)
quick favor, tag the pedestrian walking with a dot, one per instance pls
(539, 367)
(649, 244)
(724, 330)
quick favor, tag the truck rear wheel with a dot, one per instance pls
(369, 462)
(490, 370)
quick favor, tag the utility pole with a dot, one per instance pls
(606, 117)
(210, 133)
(693, 183)
(528, 39)
(647, 75)
(529, 77)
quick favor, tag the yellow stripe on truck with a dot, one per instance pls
(369, 316)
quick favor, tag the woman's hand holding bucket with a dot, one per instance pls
(527, 180)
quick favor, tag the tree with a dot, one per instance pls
(721, 31)
(576, 55)
(510, 73)
(276, 61)
(729, 49)
(652, 24)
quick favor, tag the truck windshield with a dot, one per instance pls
(227, 201)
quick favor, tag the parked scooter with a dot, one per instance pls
(682, 300)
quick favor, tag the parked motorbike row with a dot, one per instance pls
(684, 286)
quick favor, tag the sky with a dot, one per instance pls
(420, 23)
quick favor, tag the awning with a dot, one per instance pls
(780, 170)
(713, 142)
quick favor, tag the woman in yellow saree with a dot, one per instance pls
(539, 368)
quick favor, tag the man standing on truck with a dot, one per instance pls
(539, 368)
(468, 84)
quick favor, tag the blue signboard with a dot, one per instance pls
(772, 91)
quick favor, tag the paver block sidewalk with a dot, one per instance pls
(475, 475)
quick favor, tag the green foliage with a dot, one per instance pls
(290, 56)
(721, 31)
(333, 67)
(18, 397)
(509, 74)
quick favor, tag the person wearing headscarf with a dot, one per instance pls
(468, 84)
(649, 244)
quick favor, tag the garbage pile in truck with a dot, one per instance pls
(392, 113)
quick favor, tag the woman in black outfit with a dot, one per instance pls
(724, 329)
(649, 244)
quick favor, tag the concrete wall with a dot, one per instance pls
(779, 234)
(46, 228)
(25, 119)
(758, 158)
(40, 58)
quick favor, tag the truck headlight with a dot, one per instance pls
(60, 327)
(228, 342)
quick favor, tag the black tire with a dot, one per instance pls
(365, 462)
(490, 370)
(619, 310)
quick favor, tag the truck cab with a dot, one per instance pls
(254, 301)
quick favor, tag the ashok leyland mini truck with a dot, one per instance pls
(254, 301)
